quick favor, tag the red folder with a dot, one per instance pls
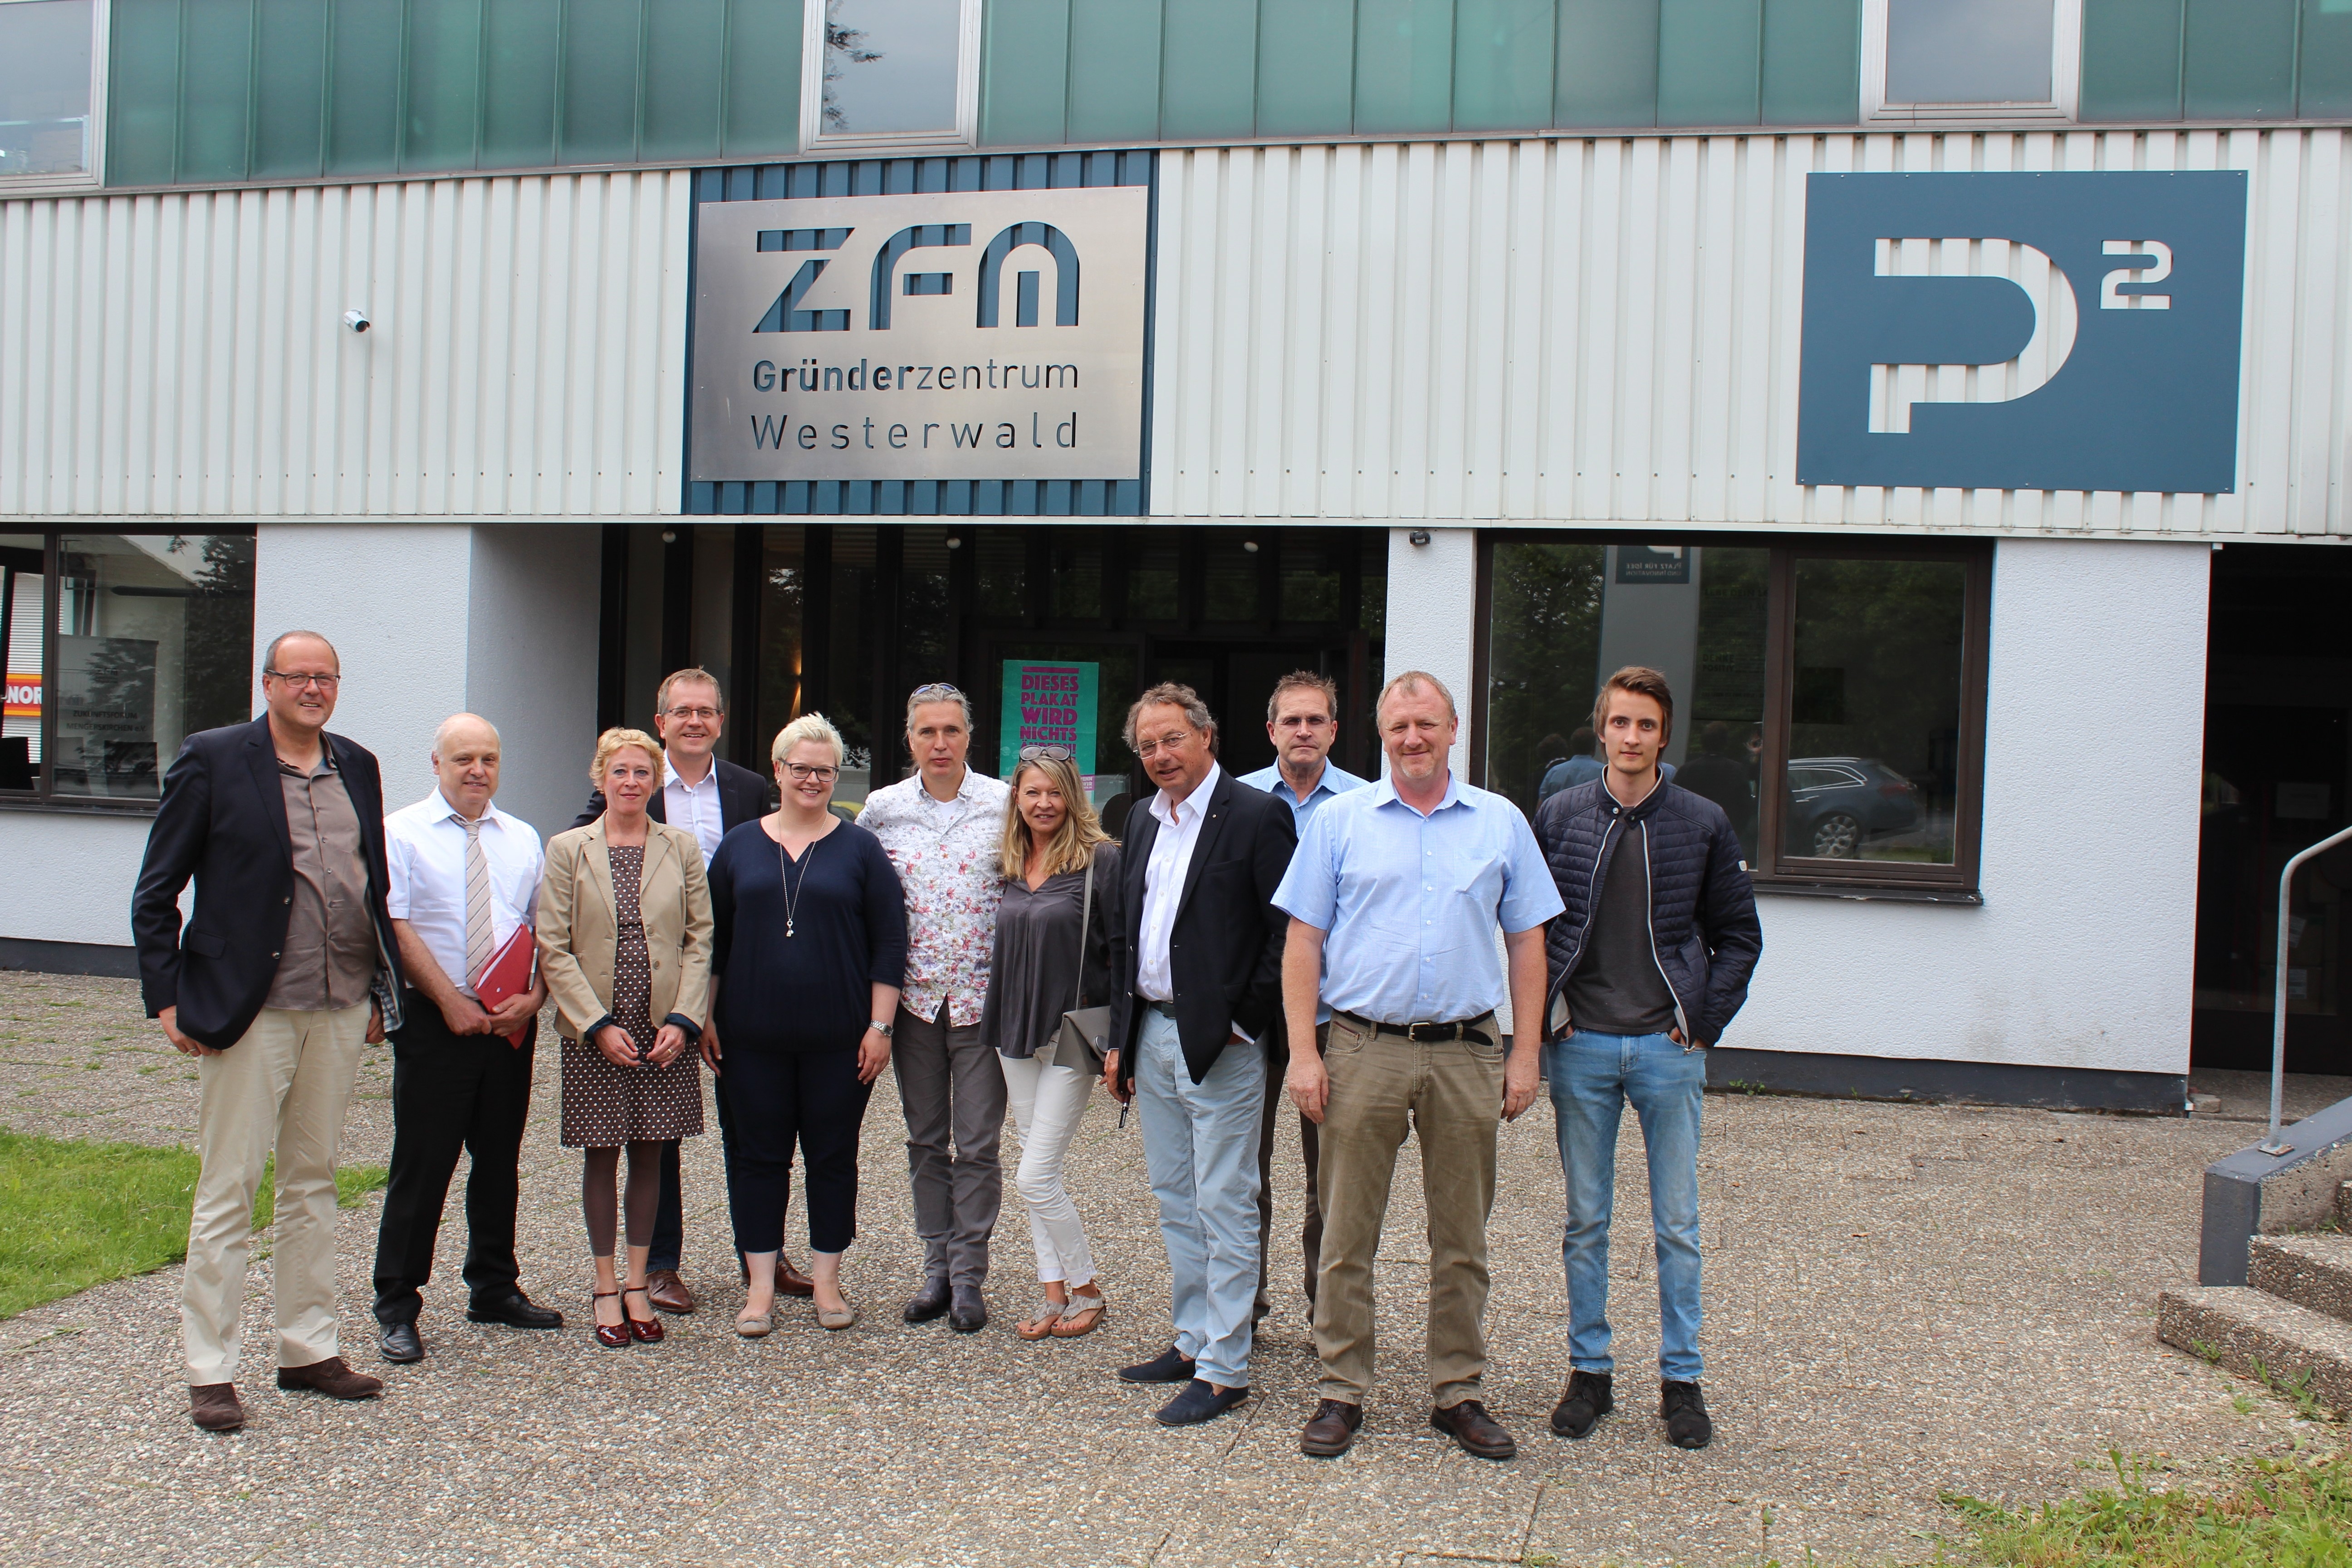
(508, 974)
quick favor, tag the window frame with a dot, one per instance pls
(44, 795)
(101, 19)
(815, 138)
(2065, 76)
(1775, 870)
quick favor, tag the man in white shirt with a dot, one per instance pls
(464, 879)
(1200, 965)
(943, 830)
(1302, 720)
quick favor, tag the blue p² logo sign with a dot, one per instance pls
(2060, 331)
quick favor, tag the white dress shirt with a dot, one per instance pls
(425, 850)
(1163, 884)
(695, 807)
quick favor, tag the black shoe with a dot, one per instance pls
(398, 1343)
(1330, 1429)
(1588, 1399)
(1200, 1401)
(1684, 1410)
(969, 1312)
(1167, 1366)
(929, 1302)
(516, 1310)
(1475, 1431)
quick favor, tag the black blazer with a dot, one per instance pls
(743, 796)
(1224, 951)
(222, 821)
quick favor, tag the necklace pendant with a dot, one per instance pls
(788, 929)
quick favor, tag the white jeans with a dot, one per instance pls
(1047, 1103)
(282, 1086)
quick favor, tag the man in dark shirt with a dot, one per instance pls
(1647, 966)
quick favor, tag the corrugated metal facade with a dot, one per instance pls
(1608, 329)
(184, 355)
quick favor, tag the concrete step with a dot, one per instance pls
(2312, 1269)
(2237, 1326)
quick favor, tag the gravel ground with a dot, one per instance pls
(1901, 1301)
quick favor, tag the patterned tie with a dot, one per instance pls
(479, 946)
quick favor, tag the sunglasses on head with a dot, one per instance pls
(1046, 753)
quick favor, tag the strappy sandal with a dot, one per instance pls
(1040, 1323)
(612, 1336)
(645, 1331)
(1082, 1316)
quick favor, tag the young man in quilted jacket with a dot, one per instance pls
(1647, 968)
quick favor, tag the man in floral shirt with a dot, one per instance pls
(943, 828)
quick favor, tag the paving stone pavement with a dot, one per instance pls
(1901, 1301)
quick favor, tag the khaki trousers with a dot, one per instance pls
(283, 1086)
(1451, 1095)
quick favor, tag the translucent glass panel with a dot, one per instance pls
(1874, 710)
(890, 65)
(784, 606)
(22, 590)
(45, 85)
(1969, 51)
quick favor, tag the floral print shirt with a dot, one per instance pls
(949, 860)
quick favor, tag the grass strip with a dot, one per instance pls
(75, 1213)
(2294, 1512)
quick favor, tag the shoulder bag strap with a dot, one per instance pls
(1085, 916)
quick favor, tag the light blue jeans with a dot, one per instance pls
(1200, 1147)
(1592, 1077)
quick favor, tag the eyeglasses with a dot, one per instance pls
(687, 715)
(323, 682)
(804, 772)
(1046, 753)
(937, 692)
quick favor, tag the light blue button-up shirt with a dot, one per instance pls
(1336, 781)
(1410, 902)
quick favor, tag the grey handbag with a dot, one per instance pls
(1084, 1032)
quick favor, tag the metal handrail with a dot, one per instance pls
(2274, 1144)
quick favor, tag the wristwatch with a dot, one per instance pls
(879, 1027)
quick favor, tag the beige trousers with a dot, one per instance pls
(282, 1086)
(1451, 1096)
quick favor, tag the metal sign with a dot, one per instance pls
(963, 335)
(2055, 332)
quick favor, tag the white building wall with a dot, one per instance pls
(1607, 329)
(1432, 608)
(184, 355)
(2082, 952)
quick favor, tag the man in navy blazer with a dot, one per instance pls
(287, 966)
(709, 796)
(1201, 983)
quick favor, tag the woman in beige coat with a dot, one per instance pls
(624, 949)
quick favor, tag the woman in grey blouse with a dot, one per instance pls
(1052, 838)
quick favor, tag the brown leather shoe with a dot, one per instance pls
(668, 1292)
(1332, 1430)
(332, 1378)
(214, 1406)
(791, 1281)
(1475, 1431)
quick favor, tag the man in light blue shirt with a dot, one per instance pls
(1395, 897)
(1302, 720)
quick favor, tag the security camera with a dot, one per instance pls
(356, 320)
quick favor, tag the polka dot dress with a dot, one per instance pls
(605, 1106)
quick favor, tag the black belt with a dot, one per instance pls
(1165, 1009)
(1427, 1034)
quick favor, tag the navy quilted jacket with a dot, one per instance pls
(1702, 922)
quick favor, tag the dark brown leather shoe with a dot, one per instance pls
(1475, 1431)
(1332, 1430)
(668, 1292)
(214, 1406)
(332, 1378)
(791, 1281)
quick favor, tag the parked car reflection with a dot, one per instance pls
(1836, 805)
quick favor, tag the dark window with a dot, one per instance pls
(118, 647)
(1828, 697)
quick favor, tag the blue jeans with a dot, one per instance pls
(1200, 1147)
(1592, 1077)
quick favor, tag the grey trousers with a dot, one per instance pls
(953, 1094)
(1310, 1232)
